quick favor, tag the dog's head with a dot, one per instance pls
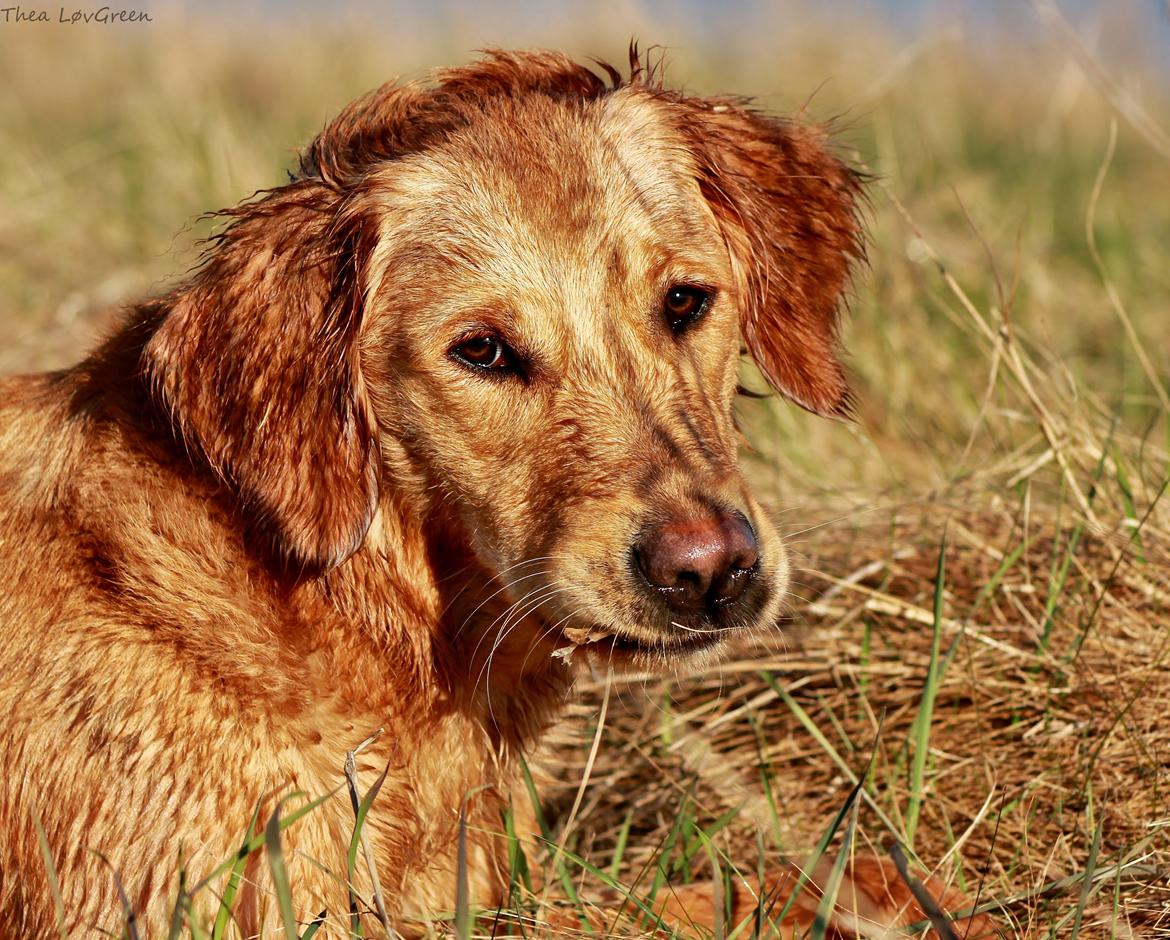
(520, 297)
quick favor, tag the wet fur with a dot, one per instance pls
(270, 515)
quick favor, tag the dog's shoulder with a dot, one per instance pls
(120, 554)
(95, 500)
(40, 444)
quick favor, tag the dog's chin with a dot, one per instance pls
(629, 655)
(653, 640)
(626, 651)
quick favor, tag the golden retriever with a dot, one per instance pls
(455, 399)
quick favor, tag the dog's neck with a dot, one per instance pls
(443, 612)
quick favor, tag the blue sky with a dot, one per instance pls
(1118, 25)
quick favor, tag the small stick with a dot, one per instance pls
(355, 800)
(938, 919)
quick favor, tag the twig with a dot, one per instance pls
(1111, 291)
(587, 772)
(1119, 99)
(355, 800)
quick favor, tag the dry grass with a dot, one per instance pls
(1010, 348)
(1039, 736)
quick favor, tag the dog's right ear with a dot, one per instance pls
(256, 362)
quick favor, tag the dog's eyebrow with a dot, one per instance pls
(643, 200)
(643, 159)
(614, 154)
(439, 246)
(617, 267)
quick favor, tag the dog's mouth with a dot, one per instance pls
(639, 631)
(621, 647)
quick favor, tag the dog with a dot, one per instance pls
(433, 425)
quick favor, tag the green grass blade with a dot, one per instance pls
(546, 833)
(223, 915)
(1087, 884)
(662, 869)
(822, 846)
(920, 730)
(279, 870)
(604, 877)
(180, 906)
(718, 884)
(534, 797)
(257, 842)
(828, 902)
(317, 924)
(51, 872)
(766, 781)
(619, 850)
(197, 932)
(809, 725)
(815, 856)
(518, 872)
(462, 889)
(1058, 584)
(1009, 561)
(363, 809)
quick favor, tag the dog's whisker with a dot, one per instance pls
(507, 585)
(494, 630)
(511, 619)
(485, 672)
(845, 517)
(684, 627)
(516, 613)
(502, 589)
(505, 614)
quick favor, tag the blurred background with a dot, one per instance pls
(987, 121)
(1009, 347)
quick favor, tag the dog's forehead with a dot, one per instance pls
(567, 181)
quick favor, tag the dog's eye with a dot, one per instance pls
(486, 352)
(683, 305)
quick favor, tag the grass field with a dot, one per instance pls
(980, 625)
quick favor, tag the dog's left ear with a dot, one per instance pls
(788, 209)
(256, 362)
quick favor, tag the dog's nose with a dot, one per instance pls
(698, 564)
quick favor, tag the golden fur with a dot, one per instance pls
(275, 512)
